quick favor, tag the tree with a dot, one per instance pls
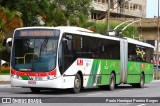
(101, 27)
(81, 20)
(28, 8)
(51, 13)
(73, 7)
(9, 20)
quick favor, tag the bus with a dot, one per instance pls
(67, 57)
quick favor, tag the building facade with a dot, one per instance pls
(119, 8)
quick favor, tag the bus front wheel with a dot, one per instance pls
(111, 85)
(77, 84)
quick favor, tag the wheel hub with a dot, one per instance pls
(77, 83)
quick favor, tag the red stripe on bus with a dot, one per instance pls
(42, 74)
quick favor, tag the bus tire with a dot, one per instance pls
(142, 81)
(35, 90)
(111, 85)
(77, 84)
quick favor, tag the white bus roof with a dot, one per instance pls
(133, 41)
(83, 31)
(74, 30)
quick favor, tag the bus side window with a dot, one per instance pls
(67, 51)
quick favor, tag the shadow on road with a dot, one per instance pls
(68, 91)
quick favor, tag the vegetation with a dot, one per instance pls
(19, 13)
(131, 31)
(72, 8)
(55, 13)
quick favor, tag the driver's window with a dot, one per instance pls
(23, 48)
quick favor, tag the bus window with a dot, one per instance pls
(38, 55)
(67, 49)
(139, 53)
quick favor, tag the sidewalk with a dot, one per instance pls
(4, 77)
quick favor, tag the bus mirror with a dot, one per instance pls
(8, 45)
(65, 43)
(65, 40)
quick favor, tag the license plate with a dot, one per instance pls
(38, 78)
(32, 82)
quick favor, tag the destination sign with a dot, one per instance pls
(37, 33)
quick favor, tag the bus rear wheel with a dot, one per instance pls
(35, 90)
(141, 83)
(77, 84)
(111, 85)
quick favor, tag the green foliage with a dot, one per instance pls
(54, 13)
(4, 72)
(28, 8)
(72, 8)
(81, 20)
(2, 48)
(61, 12)
(101, 27)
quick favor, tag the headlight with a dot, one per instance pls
(50, 77)
(15, 76)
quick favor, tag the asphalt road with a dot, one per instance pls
(150, 90)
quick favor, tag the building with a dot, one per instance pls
(119, 8)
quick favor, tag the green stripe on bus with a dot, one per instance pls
(94, 71)
(24, 77)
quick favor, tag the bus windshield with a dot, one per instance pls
(36, 55)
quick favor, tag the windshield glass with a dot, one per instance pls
(37, 55)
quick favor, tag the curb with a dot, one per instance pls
(5, 82)
(155, 81)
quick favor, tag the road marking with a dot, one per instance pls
(141, 105)
(95, 94)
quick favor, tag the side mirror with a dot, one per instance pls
(65, 43)
(65, 40)
(8, 45)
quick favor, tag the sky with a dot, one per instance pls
(152, 8)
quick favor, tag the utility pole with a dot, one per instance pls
(121, 7)
(108, 15)
(157, 58)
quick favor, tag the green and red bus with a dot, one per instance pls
(74, 58)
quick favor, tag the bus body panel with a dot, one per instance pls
(55, 83)
(95, 71)
(136, 68)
